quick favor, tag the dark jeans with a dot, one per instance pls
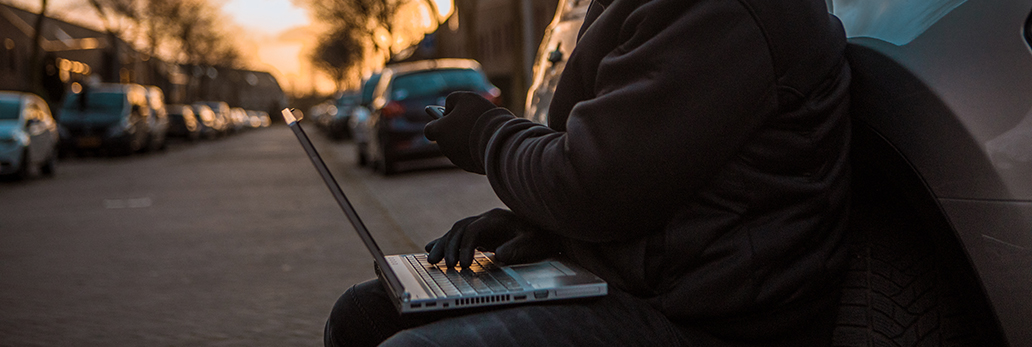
(365, 316)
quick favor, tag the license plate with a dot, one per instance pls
(89, 142)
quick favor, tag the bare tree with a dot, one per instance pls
(337, 54)
(353, 23)
(35, 69)
(190, 29)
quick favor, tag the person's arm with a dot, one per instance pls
(672, 104)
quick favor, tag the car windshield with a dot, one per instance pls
(106, 103)
(9, 109)
(433, 82)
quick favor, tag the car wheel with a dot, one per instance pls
(385, 163)
(49, 167)
(363, 158)
(23, 167)
(902, 288)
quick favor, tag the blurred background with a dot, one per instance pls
(254, 54)
(150, 193)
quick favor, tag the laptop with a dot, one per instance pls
(418, 286)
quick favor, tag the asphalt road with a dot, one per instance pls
(233, 242)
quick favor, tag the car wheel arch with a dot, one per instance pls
(888, 162)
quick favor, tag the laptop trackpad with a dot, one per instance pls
(551, 274)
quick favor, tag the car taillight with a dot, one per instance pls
(392, 109)
(494, 95)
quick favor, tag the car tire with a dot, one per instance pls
(49, 168)
(363, 158)
(901, 288)
(385, 164)
(23, 167)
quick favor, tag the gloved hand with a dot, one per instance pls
(452, 132)
(513, 239)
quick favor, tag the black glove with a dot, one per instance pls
(452, 132)
(513, 239)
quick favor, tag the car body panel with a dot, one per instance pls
(951, 98)
(559, 40)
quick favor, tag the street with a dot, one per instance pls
(232, 242)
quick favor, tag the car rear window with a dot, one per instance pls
(9, 109)
(100, 102)
(437, 82)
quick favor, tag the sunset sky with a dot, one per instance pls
(274, 35)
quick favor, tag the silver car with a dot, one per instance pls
(28, 135)
(557, 44)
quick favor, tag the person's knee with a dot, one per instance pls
(333, 335)
(361, 316)
(407, 338)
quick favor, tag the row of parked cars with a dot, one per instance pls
(385, 117)
(118, 119)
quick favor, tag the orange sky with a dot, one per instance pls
(273, 35)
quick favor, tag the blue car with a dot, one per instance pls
(107, 117)
(28, 135)
(395, 124)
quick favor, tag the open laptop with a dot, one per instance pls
(418, 286)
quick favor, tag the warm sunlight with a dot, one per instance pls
(278, 35)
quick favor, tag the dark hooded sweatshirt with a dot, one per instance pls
(696, 157)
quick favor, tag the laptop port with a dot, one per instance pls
(431, 304)
(519, 297)
(417, 305)
(541, 294)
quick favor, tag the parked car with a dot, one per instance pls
(112, 117)
(359, 115)
(223, 120)
(183, 123)
(28, 135)
(942, 169)
(238, 118)
(337, 122)
(264, 120)
(403, 91)
(158, 119)
(942, 149)
(209, 124)
(319, 114)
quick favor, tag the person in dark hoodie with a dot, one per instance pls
(696, 158)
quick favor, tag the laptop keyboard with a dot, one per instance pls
(482, 277)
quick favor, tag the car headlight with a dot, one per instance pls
(17, 138)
